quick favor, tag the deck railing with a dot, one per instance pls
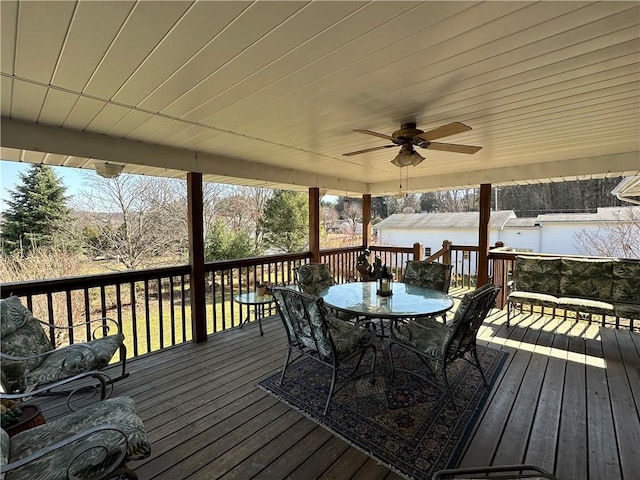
(153, 305)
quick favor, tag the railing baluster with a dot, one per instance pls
(147, 314)
(52, 332)
(119, 303)
(134, 319)
(69, 315)
(172, 310)
(87, 311)
(160, 316)
(183, 301)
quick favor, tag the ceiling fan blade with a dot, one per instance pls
(375, 134)
(367, 150)
(452, 147)
(444, 131)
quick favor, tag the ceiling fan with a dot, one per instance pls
(409, 136)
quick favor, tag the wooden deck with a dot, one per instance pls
(567, 400)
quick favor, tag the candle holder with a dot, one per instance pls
(385, 283)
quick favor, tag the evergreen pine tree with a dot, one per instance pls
(37, 210)
(285, 221)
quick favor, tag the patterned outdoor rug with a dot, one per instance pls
(407, 425)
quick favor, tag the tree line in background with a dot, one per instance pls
(135, 220)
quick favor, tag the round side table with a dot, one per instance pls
(31, 417)
(258, 302)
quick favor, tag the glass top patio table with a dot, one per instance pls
(407, 301)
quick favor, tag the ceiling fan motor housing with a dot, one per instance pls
(407, 134)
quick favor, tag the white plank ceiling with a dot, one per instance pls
(268, 93)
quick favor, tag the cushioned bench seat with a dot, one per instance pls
(606, 287)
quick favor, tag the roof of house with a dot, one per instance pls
(603, 214)
(444, 220)
(501, 219)
(527, 222)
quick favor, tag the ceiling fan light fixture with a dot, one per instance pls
(108, 170)
(407, 157)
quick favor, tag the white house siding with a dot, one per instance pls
(523, 239)
(547, 233)
(561, 238)
(431, 238)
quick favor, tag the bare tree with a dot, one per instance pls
(328, 215)
(131, 218)
(242, 210)
(617, 238)
(212, 194)
(352, 212)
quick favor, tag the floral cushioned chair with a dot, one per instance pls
(439, 344)
(326, 339)
(312, 278)
(433, 275)
(94, 442)
(29, 359)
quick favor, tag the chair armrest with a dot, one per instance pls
(106, 324)
(102, 378)
(12, 358)
(442, 474)
(83, 449)
(84, 351)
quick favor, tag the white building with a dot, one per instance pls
(548, 233)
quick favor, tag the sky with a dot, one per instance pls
(10, 177)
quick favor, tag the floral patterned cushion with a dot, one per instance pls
(314, 277)
(13, 315)
(346, 337)
(538, 274)
(22, 336)
(627, 310)
(75, 359)
(626, 281)
(586, 278)
(4, 450)
(119, 412)
(436, 276)
(425, 334)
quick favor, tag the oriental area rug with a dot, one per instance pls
(406, 424)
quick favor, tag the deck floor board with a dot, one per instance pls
(567, 399)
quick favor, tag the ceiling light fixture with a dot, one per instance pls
(407, 156)
(108, 170)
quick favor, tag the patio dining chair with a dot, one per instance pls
(438, 344)
(314, 334)
(312, 278)
(30, 363)
(433, 275)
